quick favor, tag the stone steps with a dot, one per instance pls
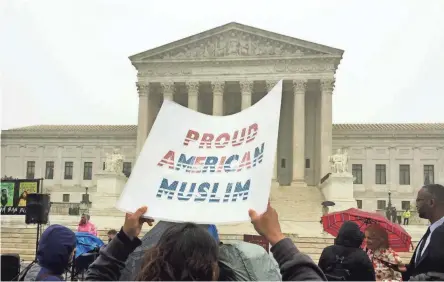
(22, 241)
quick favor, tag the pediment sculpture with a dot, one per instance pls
(235, 43)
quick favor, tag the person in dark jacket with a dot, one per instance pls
(55, 251)
(347, 255)
(294, 265)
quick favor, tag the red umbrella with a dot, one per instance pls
(399, 239)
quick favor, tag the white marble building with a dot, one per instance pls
(222, 71)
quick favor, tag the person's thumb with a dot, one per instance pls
(140, 211)
(253, 214)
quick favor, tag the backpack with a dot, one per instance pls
(337, 271)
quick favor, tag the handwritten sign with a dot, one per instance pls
(206, 169)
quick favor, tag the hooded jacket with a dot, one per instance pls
(53, 254)
(347, 245)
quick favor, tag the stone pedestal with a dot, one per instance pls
(109, 187)
(338, 188)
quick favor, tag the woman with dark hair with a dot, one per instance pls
(22, 199)
(189, 252)
(387, 263)
(185, 252)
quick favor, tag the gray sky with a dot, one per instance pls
(66, 62)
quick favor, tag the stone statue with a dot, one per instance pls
(339, 162)
(114, 162)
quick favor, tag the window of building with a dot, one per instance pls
(127, 168)
(429, 174)
(30, 169)
(66, 198)
(103, 167)
(307, 163)
(49, 171)
(359, 204)
(405, 205)
(380, 174)
(357, 173)
(404, 174)
(68, 170)
(87, 170)
(381, 204)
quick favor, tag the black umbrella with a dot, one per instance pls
(328, 204)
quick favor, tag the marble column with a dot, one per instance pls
(218, 97)
(168, 90)
(269, 84)
(299, 87)
(327, 86)
(246, 92)
(193, 95)
(440, 169)
(142, 123)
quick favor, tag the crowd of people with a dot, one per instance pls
(191, 252)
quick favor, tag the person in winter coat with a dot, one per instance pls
(192, 255)
(55, 252)
(346, 258)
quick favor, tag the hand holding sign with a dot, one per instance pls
(134, 222)
(267, 224)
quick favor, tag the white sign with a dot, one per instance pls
(206, 169)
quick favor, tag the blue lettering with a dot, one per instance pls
(181, 196)
(210, 163)
(184, 163)
(169, 190)
(227, 165)
(258, 155)
(241, 191)
(228, 192)
(213, 198)
(202, 192)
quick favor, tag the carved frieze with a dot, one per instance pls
(235, 43)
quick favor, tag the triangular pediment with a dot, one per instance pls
(235, 40)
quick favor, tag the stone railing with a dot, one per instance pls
(61, 208)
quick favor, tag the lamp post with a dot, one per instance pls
(390, 199)
(84, 204)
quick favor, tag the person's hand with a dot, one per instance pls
(267, 224)
(134, 222)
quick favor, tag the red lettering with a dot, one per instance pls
(191, 136)
(237, 141)
(252, 132)
(168, 159)
(199, 162)
(205, 142)
(222, 144)
(246, 161)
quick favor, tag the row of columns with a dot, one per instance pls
(246, 87)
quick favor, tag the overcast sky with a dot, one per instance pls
(66, 62)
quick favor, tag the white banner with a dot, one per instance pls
(206, 169)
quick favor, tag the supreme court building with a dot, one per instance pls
(221, 72)
(227, 69)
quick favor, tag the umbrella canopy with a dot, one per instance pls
(86, 243)
(399, 239)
